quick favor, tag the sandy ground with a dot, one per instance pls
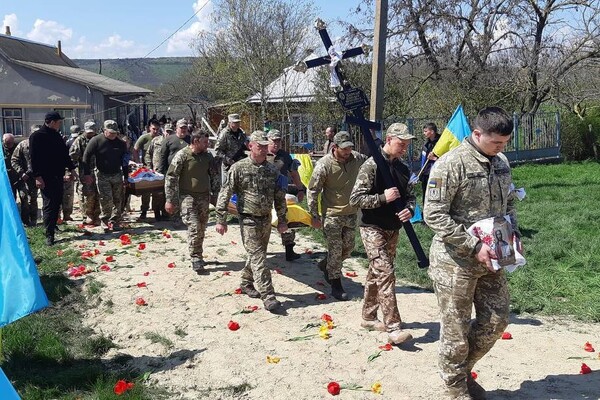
(204, 359)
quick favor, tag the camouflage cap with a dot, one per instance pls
(74, 129)
(168, 127)
(259, 137)
(343, 140)
(399, 131)
(182, 122)
(234, 118)
(89, 126)
(274, 134)
(111, 126)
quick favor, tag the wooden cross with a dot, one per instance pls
(354, 101)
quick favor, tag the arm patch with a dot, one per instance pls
(434, 189)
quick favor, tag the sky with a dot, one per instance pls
(126, 28)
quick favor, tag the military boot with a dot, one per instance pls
(337, 291)
(198, 267)
(458, 391)
(290, 255)
(271, 304)
(374, 325)
(475, 389)
(399, 336)
(250, 291)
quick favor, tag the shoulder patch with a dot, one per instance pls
(434, 189)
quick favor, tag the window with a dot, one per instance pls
(12, 121)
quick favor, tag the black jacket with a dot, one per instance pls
(49, 153)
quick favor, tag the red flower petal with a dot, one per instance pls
(506, 336)
(386, 347)
(96, 251)
(140, 301)
(130, 385)
(141, 284)
(588, 347)
(474, 374)
(101, 243)
(321, 296)
(226, 273)
(252, 308)
(233, 242)
(233, 326)
(110, 259)
(333, 388)
(585, 369)
(105, 268)
(142, 246)
(351, 274)
(326, 317)
(120, 387)
(171, 265)
(238, 291)
(146, 273)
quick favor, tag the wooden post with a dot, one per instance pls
(378, 69)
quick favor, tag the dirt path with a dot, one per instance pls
(195, 355)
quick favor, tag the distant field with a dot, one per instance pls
(560, 221)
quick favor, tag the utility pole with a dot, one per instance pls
(378, 70)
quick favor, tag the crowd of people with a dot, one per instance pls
(466, 185)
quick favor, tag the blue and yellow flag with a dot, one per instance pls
(454, 133)
(21, 291)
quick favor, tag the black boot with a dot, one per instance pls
(289, 253)
(337, 290)
(323, 267)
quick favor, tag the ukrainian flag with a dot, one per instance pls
(21, 292)
(454, 133)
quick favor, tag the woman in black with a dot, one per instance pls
(427, 156)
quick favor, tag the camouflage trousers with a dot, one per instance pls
(380, 285)
(89, 205)
(67, 199)
(110, 191)
(194, 213)
(255, 237)
(288, 238)
(28, 197)
(339, 231)
(463, 341)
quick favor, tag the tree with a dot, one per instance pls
(250, 44)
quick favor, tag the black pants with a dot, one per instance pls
(52, 194)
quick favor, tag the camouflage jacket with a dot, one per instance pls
(12, 175)
(367, 192)
(21, 159)
(152, 156)
(464, 187)
(76, 152)
(335, 180)
(256, 188)
(230, 146)
(209, 179)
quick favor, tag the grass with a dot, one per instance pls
(50, 354)
(154, 337)
(560, 221)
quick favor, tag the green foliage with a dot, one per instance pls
(578, 143)
(155, 337)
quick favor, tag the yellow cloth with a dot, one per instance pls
(306, 167)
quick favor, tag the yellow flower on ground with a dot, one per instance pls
(330, 325)
(376, 387)
(273, 360)
(324, 332)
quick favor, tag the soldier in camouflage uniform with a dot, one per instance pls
(231, 144)
(88, 192)
(8, 148)
(333, 176)
(153, 160)
(69, 184)
(28, 192)
(191, 183)
(254, 181)
(288, 168)
(379, 228)
(111, 173)
(468, 184)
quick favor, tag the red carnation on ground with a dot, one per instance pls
(233, 326)
(125, 239)
(140, 301)
(101, 243)
(226, 273)
(104, 268)
(110, 259)
(506, 336)
(326, 317)
(146, 273)
(386, 347)
(321, 296)
(122, 386)
(238, 291)
(588, 347)
(171, 265)
(142, 246)
(351, 274)
(142, 284)
(333, 388)
(585, 369)
(474, 374)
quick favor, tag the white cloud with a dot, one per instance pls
(180, 43)
(49, 32)
(12, 21)
(112, 47)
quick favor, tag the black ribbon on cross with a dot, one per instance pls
(354, 101)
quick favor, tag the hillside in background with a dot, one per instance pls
(145, 72)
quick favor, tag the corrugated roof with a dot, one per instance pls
(104, 84)
(291, 86)
(25, 50)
